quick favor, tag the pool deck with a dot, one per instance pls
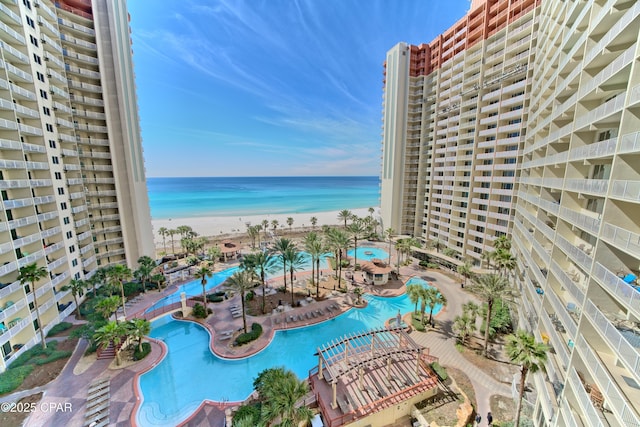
(73, 383)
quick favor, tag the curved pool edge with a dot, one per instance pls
(133, 418)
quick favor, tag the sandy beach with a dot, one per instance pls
(215, 226)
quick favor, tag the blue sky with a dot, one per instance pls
(270, 87)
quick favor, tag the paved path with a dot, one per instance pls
(441, 342)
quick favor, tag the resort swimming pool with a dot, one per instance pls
(190, 373)
(194, 288)
(369, 253)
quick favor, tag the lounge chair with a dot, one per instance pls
(276, 320)
(629, 278)
(97, 392)
(99, 418)
(236, 315)
(96, 410)
(226, 337)
(92, 403)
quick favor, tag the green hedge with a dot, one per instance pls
(60, 327)
(139, 355)
(13, 377)
(214, 298)
(199, 311)
(251, 412)
(55, 355)
(256, 331)
(440, 371)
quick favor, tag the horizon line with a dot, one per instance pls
(272, 176)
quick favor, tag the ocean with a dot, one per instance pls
(231, 196)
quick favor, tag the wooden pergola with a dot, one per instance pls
(372, 366)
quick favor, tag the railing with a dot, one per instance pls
(622, 238)
(626, 294)
(614, 397)
(629, 190)
(583, 399)
(581, 220)
(566, 281)
(616, 340)
(575, 253)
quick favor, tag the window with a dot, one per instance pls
(505, 198)
(510, 161)
(55, 160)
(43, 94)
(52, 143)
(60, 191)
(34, 41)
(46, 111)
(49, 127)
(63, 206)
(58, 175)
(507, 186)
(37, 59)
(40, 76)
(72, 249)
(66, 220)
(74, 263)
(69, 234)
(30, 22)
(27, 3)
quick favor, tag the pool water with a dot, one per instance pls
(194, 288)
(191, 373)
(368, 254)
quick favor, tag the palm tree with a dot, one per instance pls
(487, 256)
(171, 233)
(371, 212)
(116, 275)
(505, 261)
(290, 223)
(76, 286)
(240, 282)
(464, 326)
(314, 221)
(296, 260)
(389, 232)
(502, 243)
(338, 240)
(414, 292)
(313, 246)
(434, 298)
(31, 273)
(280, 246)
(138, 329)
(437, 244)
(203, 273)
(112, 332)
(107, 306)
(356, 229)
(98, 278)
(281, 395)
(265, 227)
(184, 231)
(159, 280)
(344, 215)
(253, 232)
(530, 355)
(263, 262)
(491, 287)
(465, 271)
(163, 231)
(213, 255)
(274, 225)
(145, 267)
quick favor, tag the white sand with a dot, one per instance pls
(218, 225)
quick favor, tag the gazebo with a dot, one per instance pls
(376, 271)
(229, 250)
(378, 375)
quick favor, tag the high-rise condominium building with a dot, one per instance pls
(524, 119)
(72, 174)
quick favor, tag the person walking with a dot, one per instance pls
(489, 418)
(478, 419)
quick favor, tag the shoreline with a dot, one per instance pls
(213, 226)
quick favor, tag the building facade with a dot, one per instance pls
(72, 176)
(529, 127)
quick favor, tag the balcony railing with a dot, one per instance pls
(627, 190)
(623, 239)
(581, 220)
(594, 417)
(627, 353)
(614, 397)
(626, 294)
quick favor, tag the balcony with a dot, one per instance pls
(583, 221)
(594, 417)
(623, 239)
(576, 254)
(577, 292)
(624, 292)
(590, 186)
(626, 190)
(615, 400)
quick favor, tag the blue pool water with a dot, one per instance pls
(194, 288)
(190, 373)
(369, 253)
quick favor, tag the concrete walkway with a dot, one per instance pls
(441, 342)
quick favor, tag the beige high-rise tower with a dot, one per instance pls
(523, 120)
(72, 175)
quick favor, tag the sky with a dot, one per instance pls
(270, 87)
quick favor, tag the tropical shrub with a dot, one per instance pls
(214, 298)
(139, 355)
(60, 327)
(13, 377)
(248, 411)
(200, 312)
(440, 371)
(132, 288)
(256, 331)
(416, 322)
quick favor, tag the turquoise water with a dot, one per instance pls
(230, 196)
(369, 253)
(194, 288)
(190, 373)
